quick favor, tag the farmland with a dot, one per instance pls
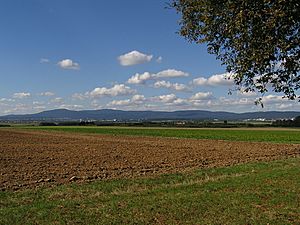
(256, 135)
(102, 175)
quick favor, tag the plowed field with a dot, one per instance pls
(30, 159)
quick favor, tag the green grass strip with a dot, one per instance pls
(275, 136)
(256, 193)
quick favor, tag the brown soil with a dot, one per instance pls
(30, 159)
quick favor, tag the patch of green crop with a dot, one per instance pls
(275, 136)
(256, 193)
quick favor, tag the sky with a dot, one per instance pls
(91, 54)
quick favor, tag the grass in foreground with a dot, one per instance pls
(257, 193)
(275, 136)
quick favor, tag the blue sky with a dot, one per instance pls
(90, 54)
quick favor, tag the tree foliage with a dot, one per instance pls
(257, 40)
(287, 123)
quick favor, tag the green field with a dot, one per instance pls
(258, 135)
(257, 193)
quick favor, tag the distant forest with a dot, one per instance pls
(287, 123)
(190, 123)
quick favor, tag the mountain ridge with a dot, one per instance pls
(111, 114)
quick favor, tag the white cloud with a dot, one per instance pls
(95, 103)
(138, 98)
(202, 96)
(269, 99)
(140, 78)
(68, 64)
(201, 81)
(47, 93)
(40, 107)
(164, 98)
(134, 58)
(220, 80)
(243, 101)
(161, 102)
(116, 90)
(57, 100)
(6, 100)
(172, 86)
(44, 60)
(246, 94)
(284, 106)
(206, 100)
(169, 100)
(38, 103)
(180, 102)
(135, 100)
(71, 107)
(169, 73)
(79, 96)
(125, 102)
(20, 107)
(215, 80)
(159, 59)
(21, 95)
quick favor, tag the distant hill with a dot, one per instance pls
(109, 114)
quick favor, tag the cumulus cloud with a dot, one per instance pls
(116, 90)
(140, 102)
(47, 93)
(164, 98)
(215, 80)
(68, 64)
(135, 100)
(125, 102)
(169, 100)
(246, 103)
(134, 58)
(169, 85)
(140, 78)
(200, 99)
(180, 102)
(201, 81)
(21, 95)
(202, 96)
(170, 73)
(138, 98)
(220, 80)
